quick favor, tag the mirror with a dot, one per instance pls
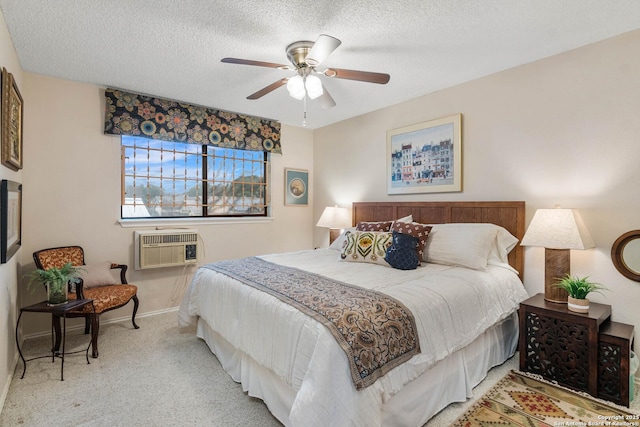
(625, 254)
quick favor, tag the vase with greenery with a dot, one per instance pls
(578, 288)
(56, 281)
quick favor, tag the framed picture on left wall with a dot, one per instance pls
(11, 138)
(296, 187)
(10, 219)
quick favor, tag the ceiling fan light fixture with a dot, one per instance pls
(304, 56)
(295, 86)
(321, 49)
(313, 86)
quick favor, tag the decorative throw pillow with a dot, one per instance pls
(402, 253)
(417, 230)
(366, 246)
(97, 274)
(374, 226)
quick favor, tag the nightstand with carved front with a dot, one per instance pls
(561, 345)
(615, 343)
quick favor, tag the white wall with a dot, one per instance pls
(9, 272)
(563, 130)
(72, 195)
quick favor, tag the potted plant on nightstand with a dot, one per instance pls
(578, 288)
(56, 280)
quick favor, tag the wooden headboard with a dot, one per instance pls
(509, 215)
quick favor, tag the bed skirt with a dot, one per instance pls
(450, 380)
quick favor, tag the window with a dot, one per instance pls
(169, 179)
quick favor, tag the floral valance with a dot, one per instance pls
(133, 114)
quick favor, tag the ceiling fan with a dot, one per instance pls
(305, 56)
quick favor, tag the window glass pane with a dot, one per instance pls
(167, 179)
(238, 181)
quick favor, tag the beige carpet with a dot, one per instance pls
(158, 375)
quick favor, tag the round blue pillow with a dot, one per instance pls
(403, 254)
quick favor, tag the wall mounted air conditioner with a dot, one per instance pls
(165, 248)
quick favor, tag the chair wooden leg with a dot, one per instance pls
(95, 328)
(135, 310)
(87, 325)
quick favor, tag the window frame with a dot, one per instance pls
(205, 216)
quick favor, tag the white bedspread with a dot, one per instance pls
(451, 305)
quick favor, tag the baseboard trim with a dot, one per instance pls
(5, 392)
(106, 322)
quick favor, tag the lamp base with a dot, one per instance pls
(334, 233)
(557, 264)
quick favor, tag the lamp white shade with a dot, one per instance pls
(557, 229)
(334, 217)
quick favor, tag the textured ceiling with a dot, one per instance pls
(172, 48)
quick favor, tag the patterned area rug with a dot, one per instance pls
(518, 400)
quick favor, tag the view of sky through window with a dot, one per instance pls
(170, 179)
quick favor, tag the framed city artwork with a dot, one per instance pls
(425, 157)
(10, 219)
(296, 187)
(11, 138)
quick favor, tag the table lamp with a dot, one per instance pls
(335, 219)
(557, 231)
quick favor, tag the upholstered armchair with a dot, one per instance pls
(96, 284)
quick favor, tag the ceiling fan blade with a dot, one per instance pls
(325, 100)
(321, 50)
(265, 90)
(256, 63)
(363, 76)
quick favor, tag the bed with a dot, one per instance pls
(461, 302)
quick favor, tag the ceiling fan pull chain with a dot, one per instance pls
(304, 103)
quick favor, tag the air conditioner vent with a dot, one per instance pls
(165, 248)
(159, 239)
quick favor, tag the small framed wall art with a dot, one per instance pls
(10, 219)
(11, 138)
(425, 157)
(296, 187)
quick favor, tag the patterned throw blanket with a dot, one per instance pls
(376, 332)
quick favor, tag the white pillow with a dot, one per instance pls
(408, 218)
(97, 274)
(469, 245)
(339, 242)
(505, 242)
